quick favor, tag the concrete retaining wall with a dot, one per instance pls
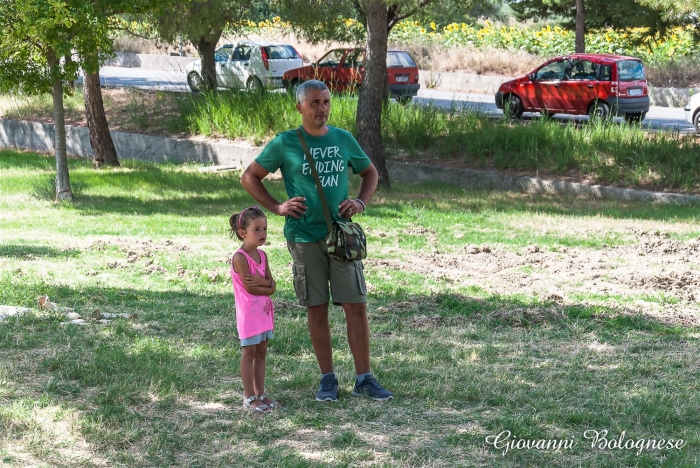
(671, 97)
(39, 137)
(36, 136)
(150, 61)
(461, 82)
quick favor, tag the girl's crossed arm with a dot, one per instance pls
(254, 284)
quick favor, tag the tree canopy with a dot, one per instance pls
(676, 11)
(599, 13)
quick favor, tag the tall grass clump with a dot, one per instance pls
(608, 151)
(256, 117)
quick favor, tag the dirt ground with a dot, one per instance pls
(652, 275)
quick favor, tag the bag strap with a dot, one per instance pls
(317, 181)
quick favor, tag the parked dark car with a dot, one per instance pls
(600, 85)
(343, 69)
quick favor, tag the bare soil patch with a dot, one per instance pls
(652, 275)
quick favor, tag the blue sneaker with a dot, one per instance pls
(328, 390)
(371, 388)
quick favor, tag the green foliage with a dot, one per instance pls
(256, 117)
(38, 31)
(550, 41)
(598, 13)
(678, 11)
(328, 21)
(456, 11)
(196, 20)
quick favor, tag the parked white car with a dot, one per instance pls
(692, 112)
(249, 64)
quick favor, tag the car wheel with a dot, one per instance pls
(599, 111)
(635, 118)
(514, 107)
(403, 100)
(254, 85)
(696, 122)
(195, 82)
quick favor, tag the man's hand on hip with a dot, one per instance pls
(294, 207)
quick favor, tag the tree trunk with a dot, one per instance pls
(370, 103)
(580, 28)
(100, 139)
(63, 190)
(206, 47)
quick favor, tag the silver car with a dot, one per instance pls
(692, 112)
(253, 65)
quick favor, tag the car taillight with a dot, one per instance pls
(263, 52)
(614, 88)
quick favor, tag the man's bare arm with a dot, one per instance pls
(368, 184)
(252, 182)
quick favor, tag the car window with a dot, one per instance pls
(552, 71)
(605, 72)
(354, 59)
(242, 52)
(582, 70)
(332, 59)
(630, 70)
(222, 54)
(281, 52)
(399, 60)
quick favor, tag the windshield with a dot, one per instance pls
(332, 59)
(630, 70)
(222, 54)
(399, 60)
(283, 52)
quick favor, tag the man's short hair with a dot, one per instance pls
(304, 88)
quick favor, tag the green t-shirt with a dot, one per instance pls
(334, 153)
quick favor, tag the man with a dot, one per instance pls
(335, 151)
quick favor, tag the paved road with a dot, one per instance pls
(658, 118)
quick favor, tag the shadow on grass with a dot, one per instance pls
(149, 188)
(160, 390)
(27, 251)
(436, 195)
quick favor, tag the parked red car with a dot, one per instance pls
(600, 85)
(343, 69)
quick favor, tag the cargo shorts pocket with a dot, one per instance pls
(361, 276)
(299, 272)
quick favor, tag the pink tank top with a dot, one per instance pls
(254, 314)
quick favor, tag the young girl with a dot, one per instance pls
(252, 286)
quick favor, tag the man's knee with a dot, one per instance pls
(318, 312)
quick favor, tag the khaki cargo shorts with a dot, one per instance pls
(314, 270)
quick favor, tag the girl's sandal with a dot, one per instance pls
(261, 408)
(273, 403)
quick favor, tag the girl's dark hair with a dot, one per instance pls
(242, 220)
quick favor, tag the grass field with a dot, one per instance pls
(548, 318)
